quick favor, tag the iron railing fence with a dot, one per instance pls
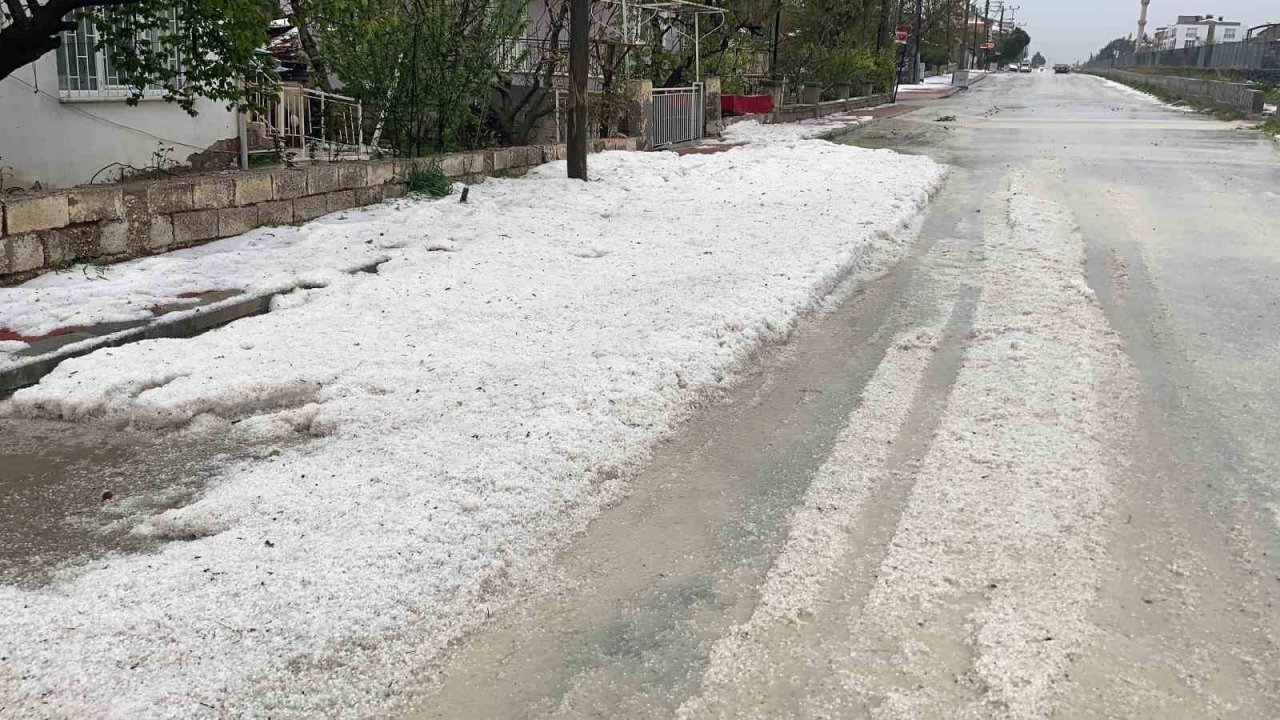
(322, 125)
(526, 55)
(678, 114)
(1247, 55)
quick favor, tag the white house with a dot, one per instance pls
(1196, 30)
(64, 119)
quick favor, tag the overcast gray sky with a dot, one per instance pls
(1068, 30)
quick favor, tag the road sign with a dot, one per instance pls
(901, 34)
(988, 46)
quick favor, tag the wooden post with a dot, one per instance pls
(579, 24)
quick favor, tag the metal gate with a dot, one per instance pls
(677, 115)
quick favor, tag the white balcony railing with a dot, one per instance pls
(318, 123)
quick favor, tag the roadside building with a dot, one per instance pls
(66, 120)
(1195, 30)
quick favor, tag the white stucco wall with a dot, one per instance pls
(64, 143)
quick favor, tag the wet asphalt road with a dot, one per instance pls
(1179, 216)
(1179, 221)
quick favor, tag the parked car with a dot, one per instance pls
(1024, 67)
(1011, 67)
(1061, 69)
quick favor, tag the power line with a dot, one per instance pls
(107, 121)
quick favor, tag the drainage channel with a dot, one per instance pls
(180, 320)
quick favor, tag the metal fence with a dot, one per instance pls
(1247, 55)
(316, 122)
(528, 55)
(678, 114)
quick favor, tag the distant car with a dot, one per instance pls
(1024, 67)
(1062, 69)
(1012, 67)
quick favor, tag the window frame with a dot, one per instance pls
(94, 79)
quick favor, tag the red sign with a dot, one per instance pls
(988, 46)
(901, 34)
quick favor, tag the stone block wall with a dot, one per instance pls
(792, 113)
(110, 223)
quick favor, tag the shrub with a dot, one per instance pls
(428, 179)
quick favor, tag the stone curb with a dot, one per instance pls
(179, 324)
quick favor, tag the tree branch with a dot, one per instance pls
(17, 12)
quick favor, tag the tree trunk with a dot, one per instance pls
(317, 68)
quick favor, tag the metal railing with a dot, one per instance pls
(527, 55)
(313, 121)
(1253, 54)
(678, 114)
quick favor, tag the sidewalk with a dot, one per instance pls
(181, 294)
(450, 419)
(938, 87)
(829, 127)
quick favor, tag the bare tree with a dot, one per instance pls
(517, 108)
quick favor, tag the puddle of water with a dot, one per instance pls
(70, 493)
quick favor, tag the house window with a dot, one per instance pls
(85, 69)
(1229, 34)
(1193, 32)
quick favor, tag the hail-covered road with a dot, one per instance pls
(1031, 471)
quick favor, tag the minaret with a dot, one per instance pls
(1142, 26)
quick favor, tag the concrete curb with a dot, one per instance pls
(849, 129)
(852, 127)
(952, 91)
(181, 324)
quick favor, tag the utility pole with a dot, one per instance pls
(915, 53)
(881, 26)
(1001, 28)
(951, 23)
(901, 50)
(976, 25)
(964, 36)
(986, 32)
(773, 50)
(579, 23)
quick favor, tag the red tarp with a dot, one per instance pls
(746, 104)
